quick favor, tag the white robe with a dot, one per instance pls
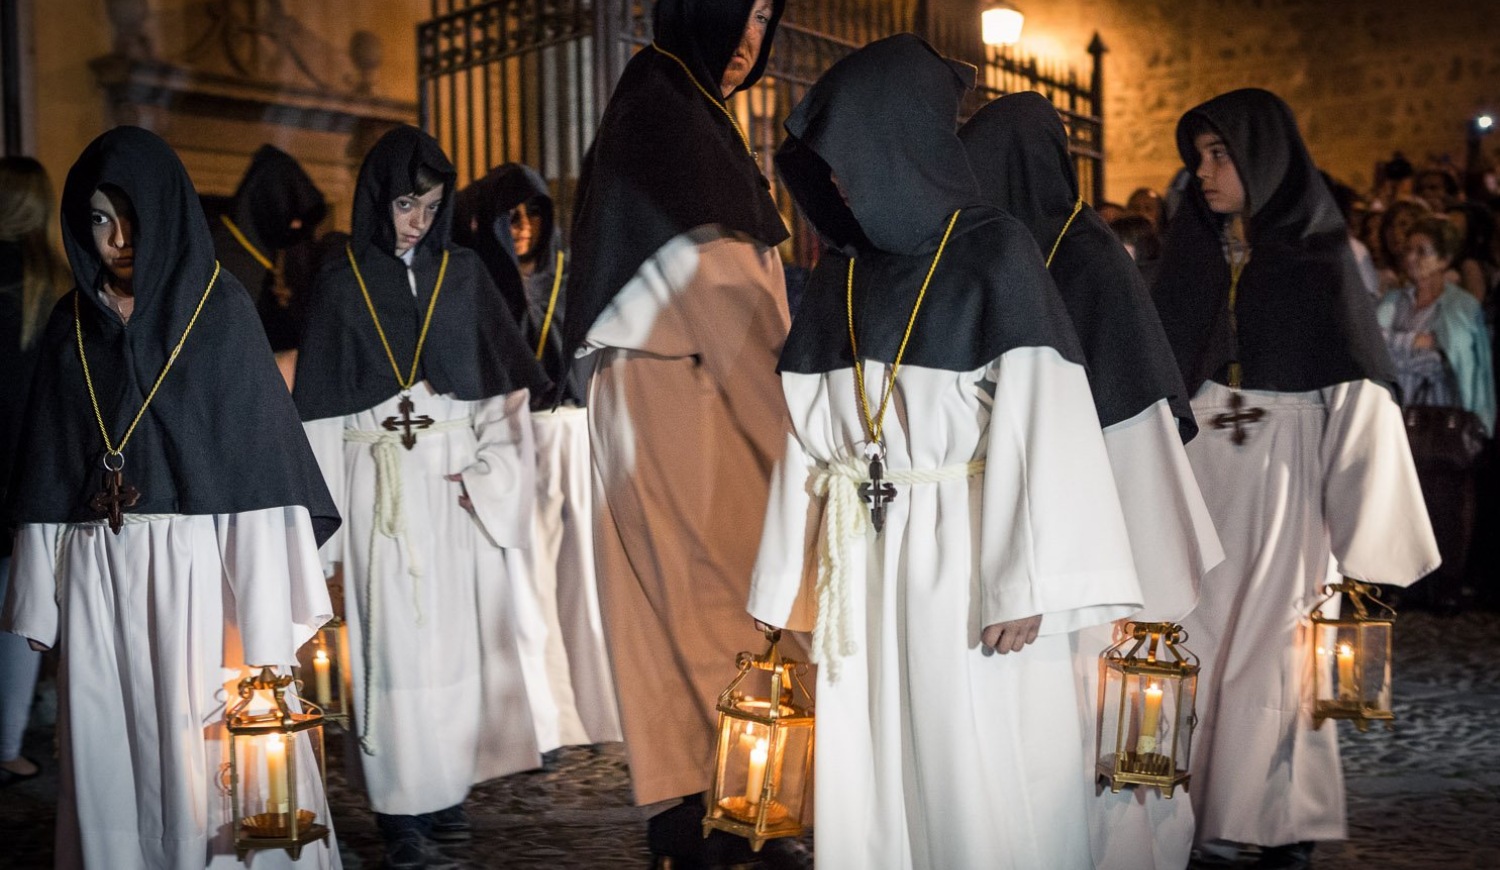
(1323, 485)
(155, 628)
(439, 699)
(930, 753)
(1173, 542)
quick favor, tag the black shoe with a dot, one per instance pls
(1292, 856)
(404, 849)
(448, 826)
(677, 842)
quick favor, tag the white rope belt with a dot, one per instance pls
(845, 520)
(389, 522)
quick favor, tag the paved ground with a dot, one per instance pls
(1424, 796)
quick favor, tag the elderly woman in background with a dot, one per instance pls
(1394, 225)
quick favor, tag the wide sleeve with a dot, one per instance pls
(501, 482)
(1172, 535)
(30, 606)
(785, 576)
(1053, 540)
(1372, 500)
(270, 559)
(326, 437)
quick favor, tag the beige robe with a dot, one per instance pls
(687, 420)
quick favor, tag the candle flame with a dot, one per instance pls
(1346, 649)
(321, 656)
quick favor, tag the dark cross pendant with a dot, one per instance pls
(1237, 417)
(115, 496)
(878, 492)
(407, 423)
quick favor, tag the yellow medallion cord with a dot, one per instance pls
(411, 379)
(88, 379)
(1077, 207)
(875, 425)
(541, 342)
(711, 98)
(239, 236)
(1236, 268)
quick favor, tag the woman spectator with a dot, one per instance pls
(1394, 225)
(1474, 268)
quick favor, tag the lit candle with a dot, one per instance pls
(1150, 718)
(1348, 690)
(322, 688)
(276, 774)
(757, 777)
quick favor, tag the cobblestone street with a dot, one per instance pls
(1424, 796)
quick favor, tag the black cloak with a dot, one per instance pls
(474, 349)
(221, 435)
(481, 220)
(1305, 319)
(1018, 150)
(666, 158)
(905, 173)
(274, 192)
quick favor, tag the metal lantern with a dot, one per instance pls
(323, 674)
(1352, 671)
(1148, 683)
(263, 761)
(763, 775)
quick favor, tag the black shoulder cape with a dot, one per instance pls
(666, 158)
(222, 435)
(905, 173)
(1305, 319)
(1018, 150)
(474, 349)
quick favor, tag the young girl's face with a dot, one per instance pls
(413, 216)
(1218, 176)
(114, 233)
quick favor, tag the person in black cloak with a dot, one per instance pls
(508, 218)
(169, 515)
(1301, 456)
(1018, 149)
(678, 295)
(946, 495)
(275, 209)
(414, 383)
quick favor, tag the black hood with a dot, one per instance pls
(275, 191)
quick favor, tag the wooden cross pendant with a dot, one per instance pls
(877, 492)
(115, 496)
(1237, 417)
(407, 423)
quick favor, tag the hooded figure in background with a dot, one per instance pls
(169, 514)
(1301, 456)
(677, 294)
(508, 218)
(415, 386)
(946, 495)
(1018, 149)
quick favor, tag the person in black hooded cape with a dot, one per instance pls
(1018, 149)
(1001, 527)
(509, 219)
(677, 292)
(275, 209)
(206, 564)
(415, 384)
(1301, 456)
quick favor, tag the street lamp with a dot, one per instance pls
(1001, 24)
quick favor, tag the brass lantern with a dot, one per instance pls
(1147, 687)
(263, 761)
(763, 774)
(323, 673)
(1352, 671)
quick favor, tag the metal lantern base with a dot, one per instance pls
(1141, 769)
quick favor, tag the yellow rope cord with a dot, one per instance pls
(541, 342)
(239, 236)
(410, 379)
(1077, 207)
(88, 378)
(876, 424)
(1236, 268)
(711, 98)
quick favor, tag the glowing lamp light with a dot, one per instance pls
(266, 747)
(1147, 692)
(1000, 24)
(1485, 122)
(1352, 657)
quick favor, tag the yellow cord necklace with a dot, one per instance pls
(541, 342)
(1077, 207)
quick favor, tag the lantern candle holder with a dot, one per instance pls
(263, 762)
(1352, 667)
(763, 770)
(323, 673)
(1147, 689)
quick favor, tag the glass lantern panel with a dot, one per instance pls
(321, 671)
(1333, 648)
(1374, 660)
(1186, 692)
(1113, 711)
(266, 766)
(765, 763)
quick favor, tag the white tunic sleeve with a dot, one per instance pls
(501, 482)
(30, 607)
(1053, 541)
(785, 575)
(1172, 536)
(271, 565)
(1377, 519)
(327, 440)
